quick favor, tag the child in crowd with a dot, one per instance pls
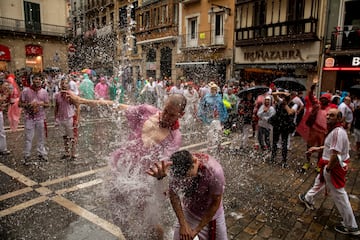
(65, 117)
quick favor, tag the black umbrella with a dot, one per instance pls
(355, 89)
(290, 83)
(255, 90)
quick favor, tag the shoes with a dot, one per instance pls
(284, 165)
(347, 231)
(63, 157)
(73, 158)
(43, 158)
(307, 203)
(306, 166)
(227, 132)
(25, 161)
(5, 153)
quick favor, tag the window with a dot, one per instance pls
(259, 13)
(151, 57)
(32, 17)
(193, 28)
(295, 10)
(192, 31)
(219, 28)
(146, 20)
(122, 17)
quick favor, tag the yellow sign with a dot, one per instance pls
(202, 35)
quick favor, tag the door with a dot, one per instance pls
(219, 28)
(32, 17)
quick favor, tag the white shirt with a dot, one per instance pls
(346, 112)
(336, 140)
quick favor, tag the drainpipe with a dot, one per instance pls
(322, 47)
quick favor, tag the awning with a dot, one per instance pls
(4, 53)
(156, 40)
(277, 66)
(341, 68)
(33, 50)
(189, 64)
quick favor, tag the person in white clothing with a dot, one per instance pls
(149, 92)
(347, 112)
(334, 165)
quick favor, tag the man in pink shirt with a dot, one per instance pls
(200, 179)
(136, 199)
(102, 89)
(64, 116)
(34, 100)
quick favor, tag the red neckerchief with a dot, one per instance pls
(335, 126)
(175, 126)
(35, 89)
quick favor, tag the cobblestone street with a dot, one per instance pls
(63, 200)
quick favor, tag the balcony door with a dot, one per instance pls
(32, 17)
(219, 28)
(192, 32)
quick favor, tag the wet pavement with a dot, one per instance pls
(62, 199)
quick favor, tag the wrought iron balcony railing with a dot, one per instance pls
(345, 39)
(17, 25)
(299, 30)
(203, 39)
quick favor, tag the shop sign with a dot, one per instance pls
(263, 55)
(4, 53)
(355, 61)
(329, 62)
(33, 50)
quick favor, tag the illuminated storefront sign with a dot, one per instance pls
(264, 55)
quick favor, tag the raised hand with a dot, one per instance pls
(159, 170)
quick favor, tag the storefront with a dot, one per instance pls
(34, 57)
(5, 57)
(340, 72)
(264, 64)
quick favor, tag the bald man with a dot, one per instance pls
(347, 112)
(334, 165)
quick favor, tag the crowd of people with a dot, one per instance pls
(155, 140)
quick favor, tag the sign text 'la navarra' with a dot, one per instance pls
(273, 55)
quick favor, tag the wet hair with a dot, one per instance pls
(339, 115)
(181, 163)
(38, 75)
(177, 100)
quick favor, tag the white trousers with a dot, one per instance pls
(3, 146)
(338, 195)
(33, 127)
(193, 221)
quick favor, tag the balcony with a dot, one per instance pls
(20, 26)
(204, 39)
(290, 31)
(345, 39)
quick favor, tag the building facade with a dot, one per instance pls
(341, 52)
(206, 40)
(278, 38)
(157, 26)
(33, 35)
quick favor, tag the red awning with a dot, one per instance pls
(33, 50)
(4, 53)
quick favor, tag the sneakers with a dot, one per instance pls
(348, 231)
(5, 153)
(25, 161)
(307, 203)
(65, 156)
(43, 158)
(306, 166)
